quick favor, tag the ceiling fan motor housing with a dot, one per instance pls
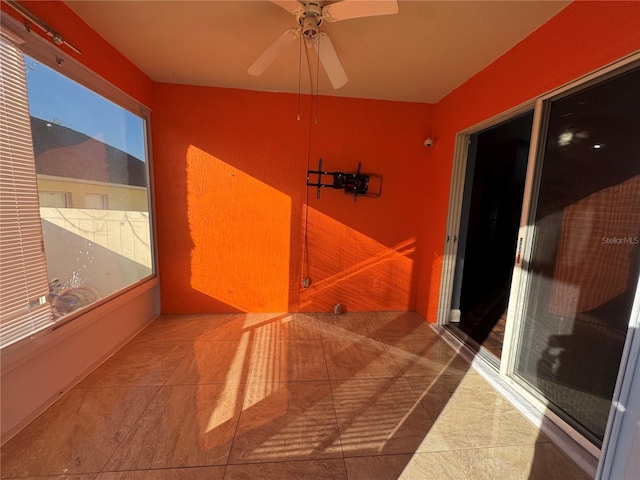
(310, 27)
(310, 19)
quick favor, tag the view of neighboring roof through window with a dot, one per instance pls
(55, 99)
(92, 181)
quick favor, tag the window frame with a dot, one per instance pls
(43, 51)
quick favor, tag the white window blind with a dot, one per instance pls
(23, 275)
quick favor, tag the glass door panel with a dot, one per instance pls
(584, 263)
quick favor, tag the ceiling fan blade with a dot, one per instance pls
(330, 61)
(272, 51)
(347, 9)
(292, 6)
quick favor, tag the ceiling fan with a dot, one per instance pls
(310, 15)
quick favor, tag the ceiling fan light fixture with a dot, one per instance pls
(310, 26)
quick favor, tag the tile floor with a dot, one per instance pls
(361, 396)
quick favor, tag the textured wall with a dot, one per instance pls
(230, 173)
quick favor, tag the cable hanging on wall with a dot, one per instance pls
(353, 183)
(306, 279)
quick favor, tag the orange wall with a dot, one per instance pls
(97, 54)
(230, 173)
(582, 38)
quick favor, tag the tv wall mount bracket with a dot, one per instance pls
(356, 184)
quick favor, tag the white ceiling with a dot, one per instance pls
(420, 54)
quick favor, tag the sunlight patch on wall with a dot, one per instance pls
(350, 268)
(240, 229)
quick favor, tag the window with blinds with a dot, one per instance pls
(24, 309)
(75, 223)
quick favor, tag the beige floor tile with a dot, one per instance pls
(430, 356)
(248, 396)
(379, 467)
(286, 421)
(214, 362)
(401, 325)
(435, 391)
(254, 325)
(358, 358)
(469, 394)
(291, 326)
(484, 420)
(379, 416)
(421, 466)
(434, 441)
(174, 328)
(303, 470)
(469, 413)
(139, 364)
(438, 391)
(521, 462)
(186, 425)
(192, 473)
(234, 326)
(77, 434)
(350, 325)
(301, 325)
(277, 360)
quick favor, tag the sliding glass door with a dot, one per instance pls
(585, 257)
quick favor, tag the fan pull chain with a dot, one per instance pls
(317, 80)
(299, 74)
(306, 280)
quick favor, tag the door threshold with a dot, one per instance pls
(489, 357)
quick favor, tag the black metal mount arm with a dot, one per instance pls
(356, 184)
